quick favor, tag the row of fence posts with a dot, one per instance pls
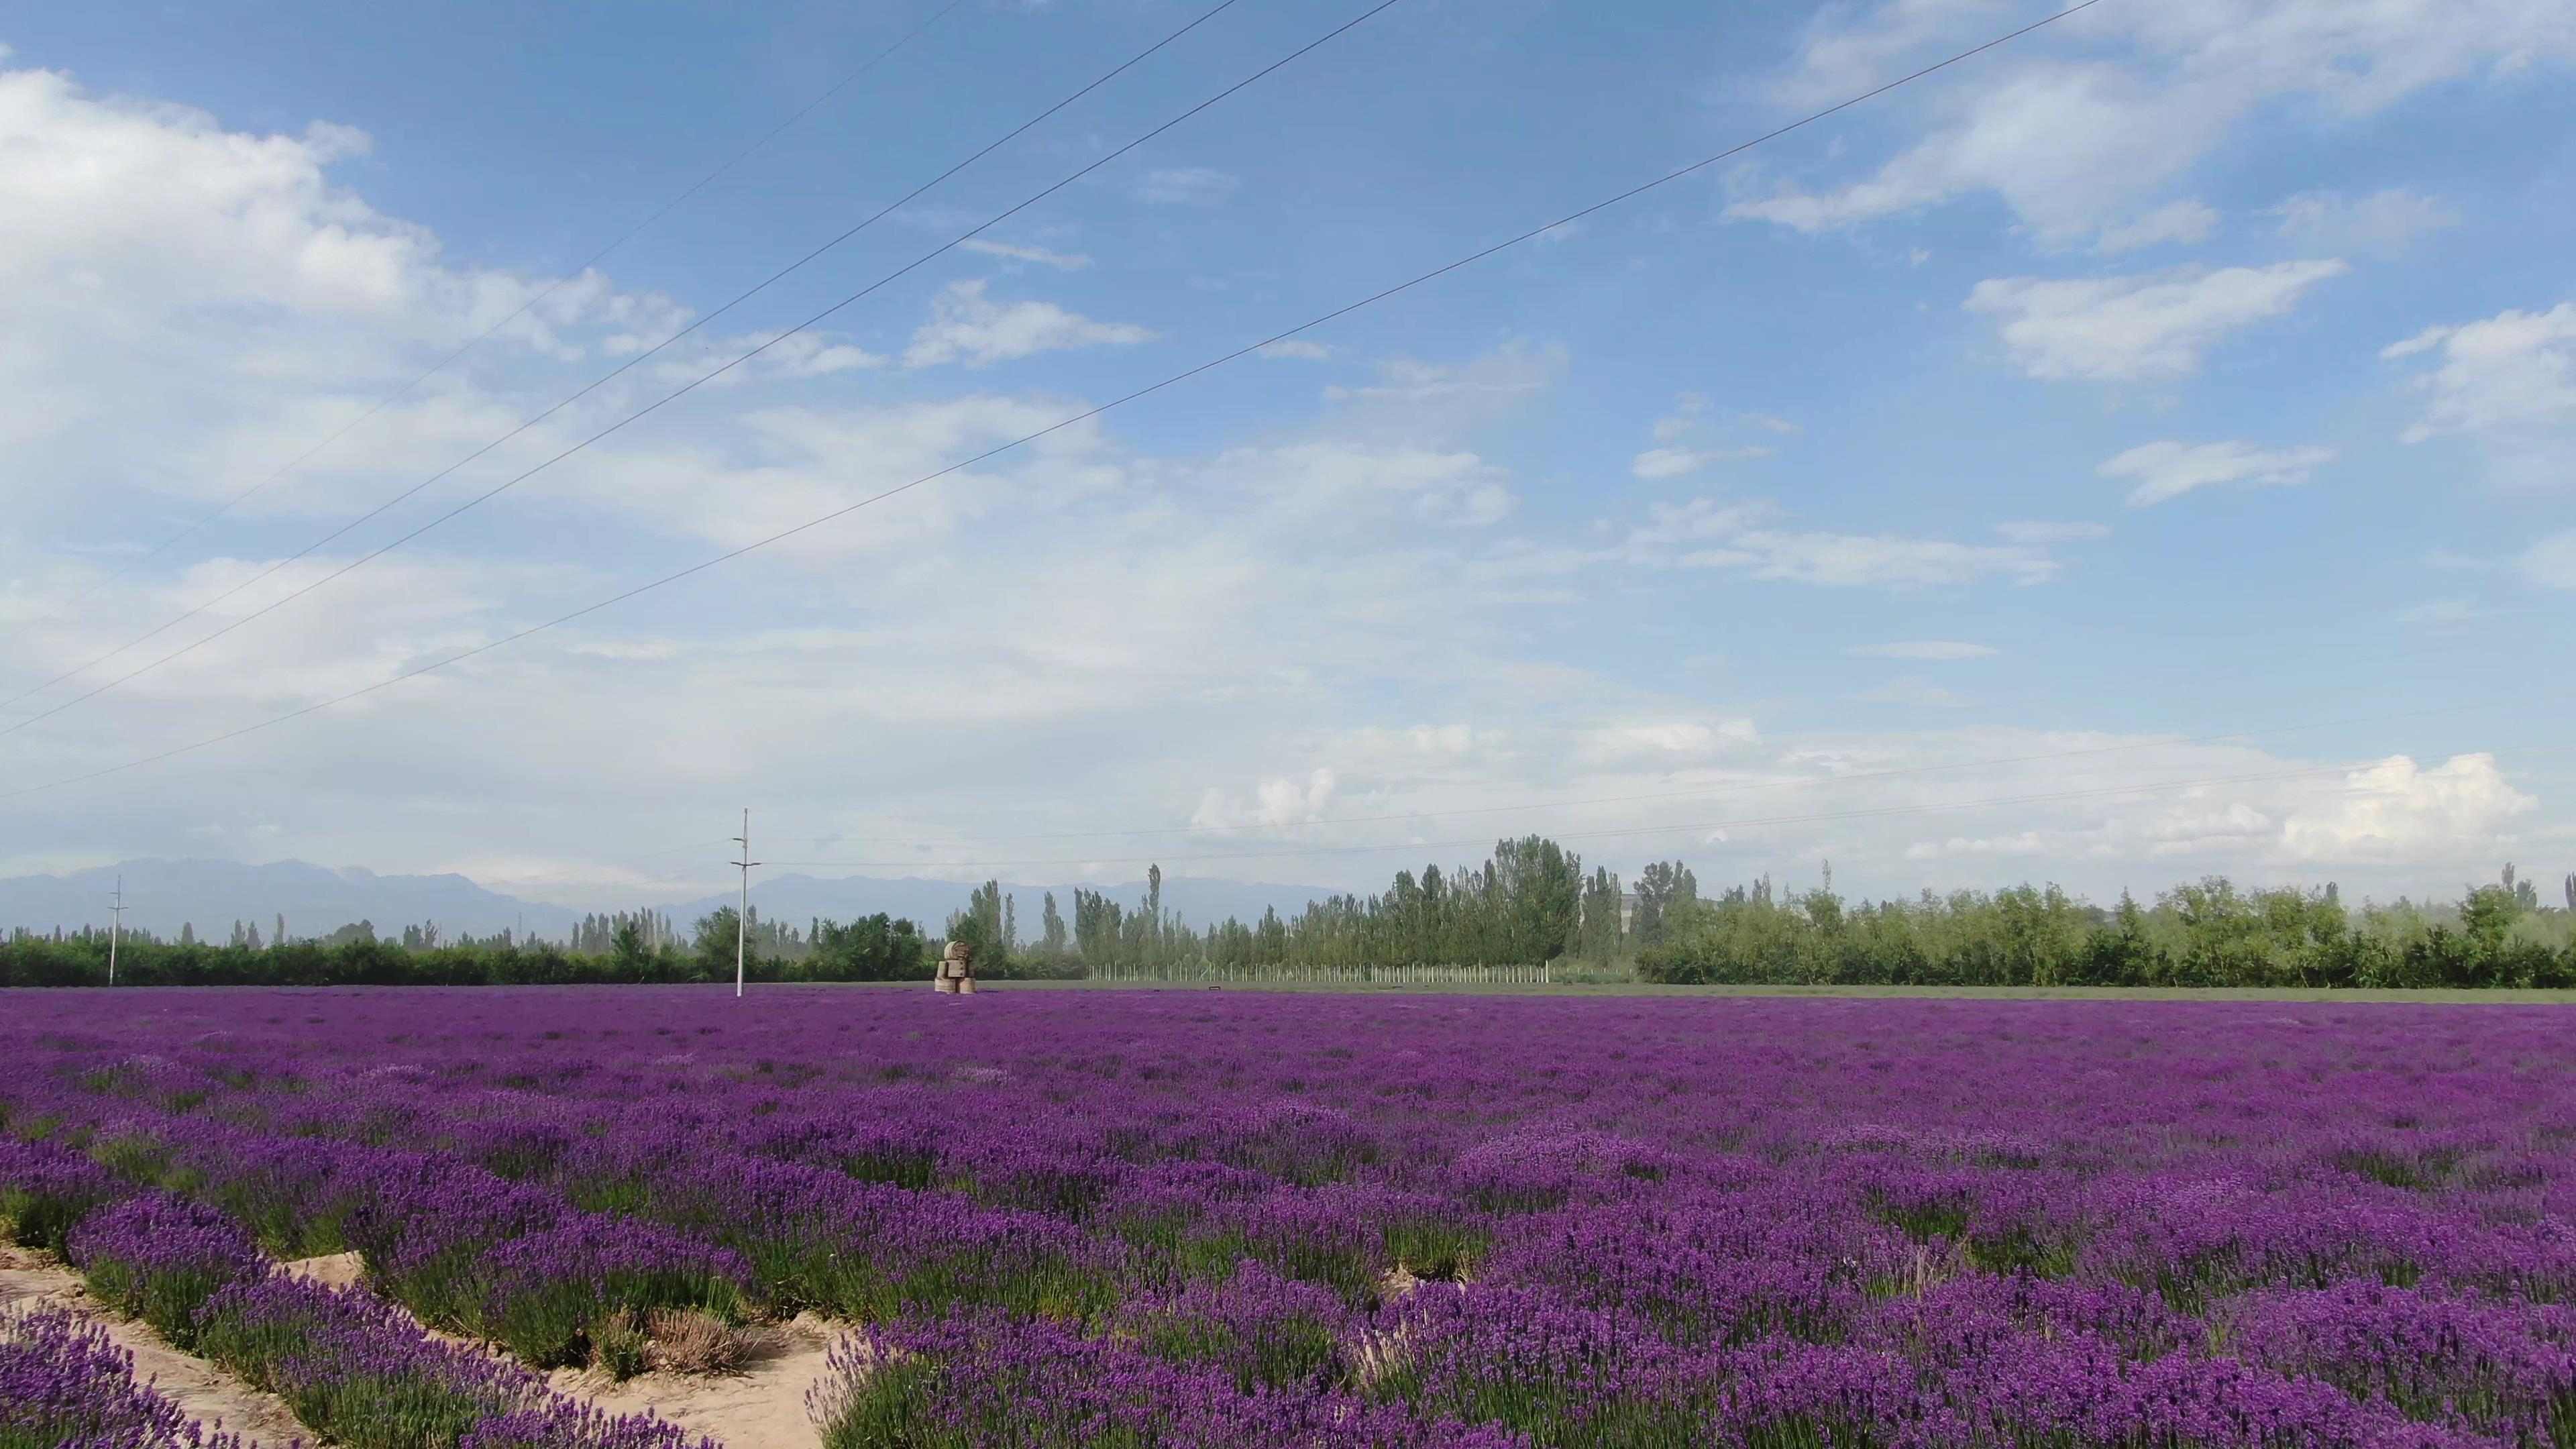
(1535, 974)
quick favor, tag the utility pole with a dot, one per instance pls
(117, 930)
(742, 915)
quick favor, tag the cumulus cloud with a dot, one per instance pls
(1274, 802)
(2168, 470)
(2397, 809)
(1938, 649)
(2510, 369)
(2136, 329)
(966, 325)
(2080, 122)
(2186, 222)
(229, 278)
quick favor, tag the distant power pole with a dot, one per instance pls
(742, 916)
(117, 930)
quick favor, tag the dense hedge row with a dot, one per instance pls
(870, 950)
(2208, 934)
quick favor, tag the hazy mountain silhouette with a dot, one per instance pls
(212, 894)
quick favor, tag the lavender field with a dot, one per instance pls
(1197, 1218)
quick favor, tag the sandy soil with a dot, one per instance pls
(338, 1270)
(761, 1408)
(206, 1392)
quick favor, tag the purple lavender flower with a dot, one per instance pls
(63, 1383)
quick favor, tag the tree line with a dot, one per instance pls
(1530, 902)
(2209, 932)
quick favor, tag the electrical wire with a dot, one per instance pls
(619, 371)
(671, 578)
(443, 363)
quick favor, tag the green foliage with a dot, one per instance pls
(2201, 933)
(875, 949)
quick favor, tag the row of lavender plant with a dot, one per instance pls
(1756, 1222)
(351, 1366)
(63, 1381)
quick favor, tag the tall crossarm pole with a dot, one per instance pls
(116, 908)
(742, 913)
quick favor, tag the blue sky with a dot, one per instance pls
(2180, 371)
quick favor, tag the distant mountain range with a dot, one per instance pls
(161, 895)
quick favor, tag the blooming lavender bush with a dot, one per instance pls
(159, 1258)
(45, 1188)
(356, 1369)
(1191, 1218)
(63, 1383)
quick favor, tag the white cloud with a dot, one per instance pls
(2510, 369)
(2137, 329)
(1857, 560)
(227, 278)
(1659, 463)
(1297, 347)
(2028, 842)
(2077, 124)
(2385, 222)
(1684, 417)
(1696, 521)
(1493, 382)
(1186, 184)
(1328, 480)
(967, 325)
(1670, 460)
(1938, 649)
(1276, 802)
(1707, 533)
(2186, 222)
(2041, 532)
(2398, 810)
(2167, 470)
(2552, 561)
(1039, 256)
(1647, 742)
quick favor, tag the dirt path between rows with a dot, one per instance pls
(205, 1392)
(761, 1408)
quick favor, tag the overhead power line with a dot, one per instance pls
(1085, 415)
(478, 339)
(612, 375)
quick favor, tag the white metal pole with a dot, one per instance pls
(742, 913)
(117, 930)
